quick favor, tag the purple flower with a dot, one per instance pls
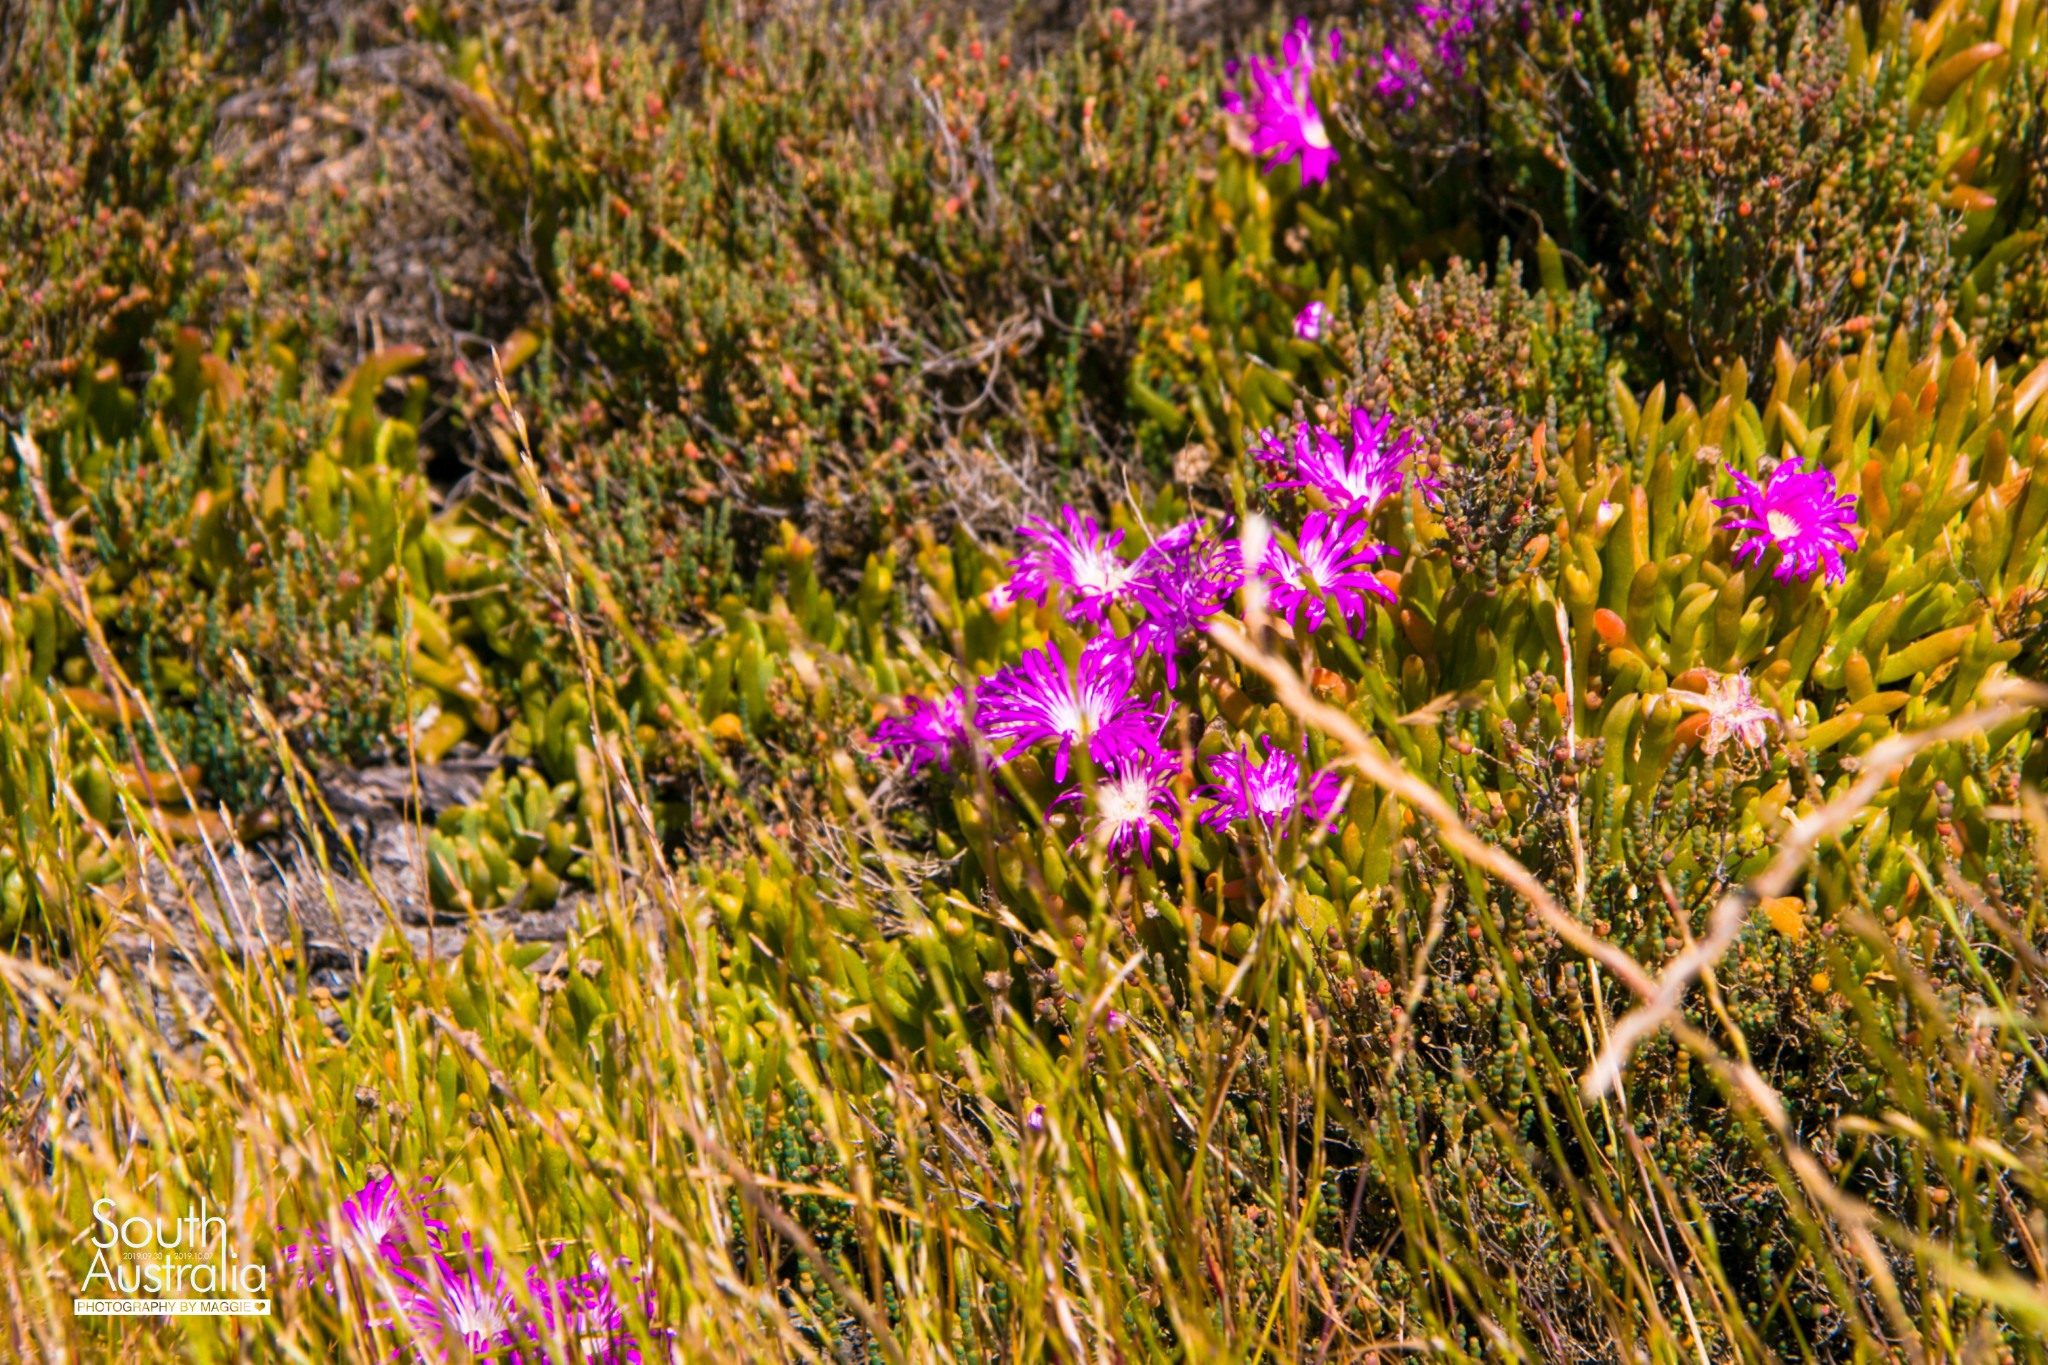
(1043, 698)
(1797, 513)
(1271, 791)
(376, 1222)
(477, 1307)
(1357, 475)
(1285, 123)
(1400, 76)
(1180, 589)
(1335, 561)
(1079, 559)
(1132, 798)
(927, 731)
(586, 1310)
(1452, 23)
(1310, 321)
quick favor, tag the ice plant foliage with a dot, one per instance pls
(1733, 712)
(1270, 792)
(1286, 126)
(927, 731)
(1190, 575)
(1044, 699)
(1332, 558)
(1796, 512)
(1357, 474)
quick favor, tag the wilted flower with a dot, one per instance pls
(1180, 589)
(1133, 797)
(927, 731)
(1044, 698)
(1285, 122)
(1309, 322)
(1733, 712)
(1079, 558)
(1355, 475)
(1270, 791)
(1797, 513)
(1335, 560)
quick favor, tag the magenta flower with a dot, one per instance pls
(1285, 123)
(1310, 321)
(586, 1310)
(1400, 76)
(1271, 791)
(1356, 475)
(927, 731)
(1079, 559)
(1797, 513)
(1044, 699)
(1180, 590)
(376, 1225)
(1132, 798)
(475, 1307)
(1335, 560)
(1452, 24)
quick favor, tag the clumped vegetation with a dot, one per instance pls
(873, 684)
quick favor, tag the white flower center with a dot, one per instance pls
(1100, 572)
(1365, 482)
(1782, 525)
(476, 1311)
(371, 1231)
(1273, 799)
(1312, 133)
(1126, 801)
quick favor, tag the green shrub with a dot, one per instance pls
(107, 119)
(841, 257)
(887, 1065)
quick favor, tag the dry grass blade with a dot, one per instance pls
(1879, 766)
(1371, 760)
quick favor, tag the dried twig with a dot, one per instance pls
(1371, 760)
(1879, 766)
